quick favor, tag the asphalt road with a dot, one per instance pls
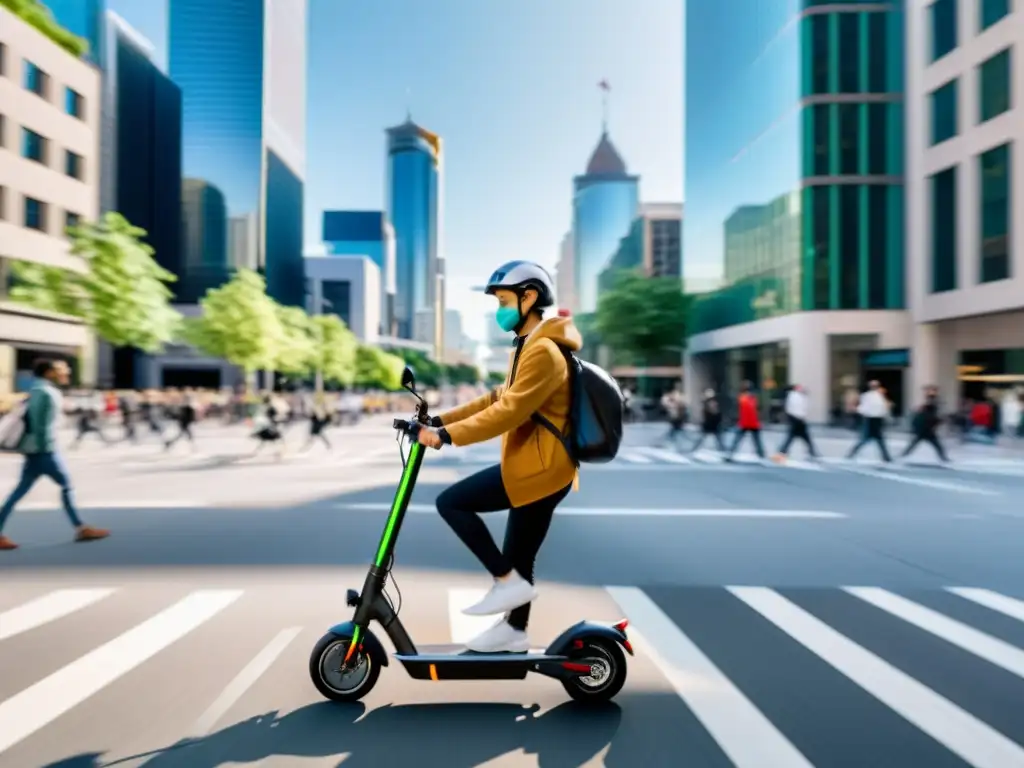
(830, 614)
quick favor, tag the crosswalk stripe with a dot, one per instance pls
(633, 457)
(974, 741)
(245, 679)
(37, 706)
(1008, 606)
(959, 634)
(47, 608)
(741, 730)
(661, 454)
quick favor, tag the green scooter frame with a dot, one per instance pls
(346, 662)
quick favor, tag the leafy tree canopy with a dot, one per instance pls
(334, 349)
(37, 15)
(297, 352)
(375, 368)
(462, 373)
(122, 295)
(643, 316)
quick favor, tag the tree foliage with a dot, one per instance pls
(642, 316)
(239, 323)
(122, 295)
(297, 350)
(334, 349)
(430, 373)
(376, 368)
(36, 14)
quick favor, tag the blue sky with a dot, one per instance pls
(510, 87)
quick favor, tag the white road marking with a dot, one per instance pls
(245, 679)
(632, 456)
(921, 481)
(37, 706)
(1008, 606)
(53, 506)
(742, 731)
(429, 509)
(984, 646)
(464, 628)
(47, 608)
(962, 733)
(665, 455)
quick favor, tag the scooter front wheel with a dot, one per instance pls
(607, 672)
(335, 683)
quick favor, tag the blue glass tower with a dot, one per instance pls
(366, 233)
(243, 126)
(83, 18)
(414, 177)
(605, 203)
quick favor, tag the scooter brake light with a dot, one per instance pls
(621, 626)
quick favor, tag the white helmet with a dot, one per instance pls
(520, 275)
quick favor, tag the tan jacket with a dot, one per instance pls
(534, 464)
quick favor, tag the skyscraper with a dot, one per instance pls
(604, 204)
(241, 65)
(366, 233)
(414, 199)
(84, 18)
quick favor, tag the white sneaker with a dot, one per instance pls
(504, 596)
(501, 638)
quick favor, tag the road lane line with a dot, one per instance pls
(1008, 606)
(46, 506)
(755, 514)
(245, 679)
(464, 628)
(39, 705)
(961, 635)
(962, 733)
(49, 607)
(632, 456)
(939, 485)
(662, 454)
(741, 730)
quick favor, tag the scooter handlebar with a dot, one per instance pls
(410, 428)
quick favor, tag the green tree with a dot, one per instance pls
(462, 373)
(643, 318)
(495, 379)
(37, 15)
(377, 369)
(296, 354)
(428, 372)
(122, 295)
(334, 349)
(239, 323)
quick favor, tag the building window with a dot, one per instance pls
(70, 220)
(991, 12)
(36, 80)
(994, 86)
(33, 146)
(878, 246)
(878, 60)
(820, 53)
(822, 137)
(74, 104)
(849, 139)
(944, 230)
(944, 112)
(878, 140)
(35, 214)
(849, 246)
(822, 232)
(73, 164)
(944, 27)
(849, 53)
(994, 175)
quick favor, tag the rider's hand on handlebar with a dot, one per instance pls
(429, 437)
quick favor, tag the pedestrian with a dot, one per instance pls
(925, 425)
(796, 412)
(186, 417)
(318, 421)
(128, 407)
(711, 421)
(674, 403)
(873, 410)
(748, 421)
(88, 418)
(268, 427)
(39, 446)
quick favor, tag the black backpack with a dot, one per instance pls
(596, 410)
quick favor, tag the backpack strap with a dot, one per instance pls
(545, 422)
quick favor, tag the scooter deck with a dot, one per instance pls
(456, 662)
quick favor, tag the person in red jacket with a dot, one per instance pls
(749, 421)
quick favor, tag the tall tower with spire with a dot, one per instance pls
(606, 199)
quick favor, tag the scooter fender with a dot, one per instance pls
(369, 640)
(562, 644)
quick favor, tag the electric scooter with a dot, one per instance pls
(345, 664)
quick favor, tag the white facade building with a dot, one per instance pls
(973, 307)
(347, 286)
(49, 179)
(565, 275)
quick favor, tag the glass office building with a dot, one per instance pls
(414, 199)
(366, 233)
(243, 127)
(84, 18)
(604, 205)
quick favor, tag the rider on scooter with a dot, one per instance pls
(536, 471)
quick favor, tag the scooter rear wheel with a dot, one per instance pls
(608, 672)
(325, 663)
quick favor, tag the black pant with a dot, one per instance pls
(461, 505)
(797, 431)
(873, 430)
(707, 431)
(755, 435)
(927, 437)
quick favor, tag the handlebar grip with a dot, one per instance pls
(411, 428)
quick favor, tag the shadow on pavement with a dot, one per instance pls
(424, 735)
